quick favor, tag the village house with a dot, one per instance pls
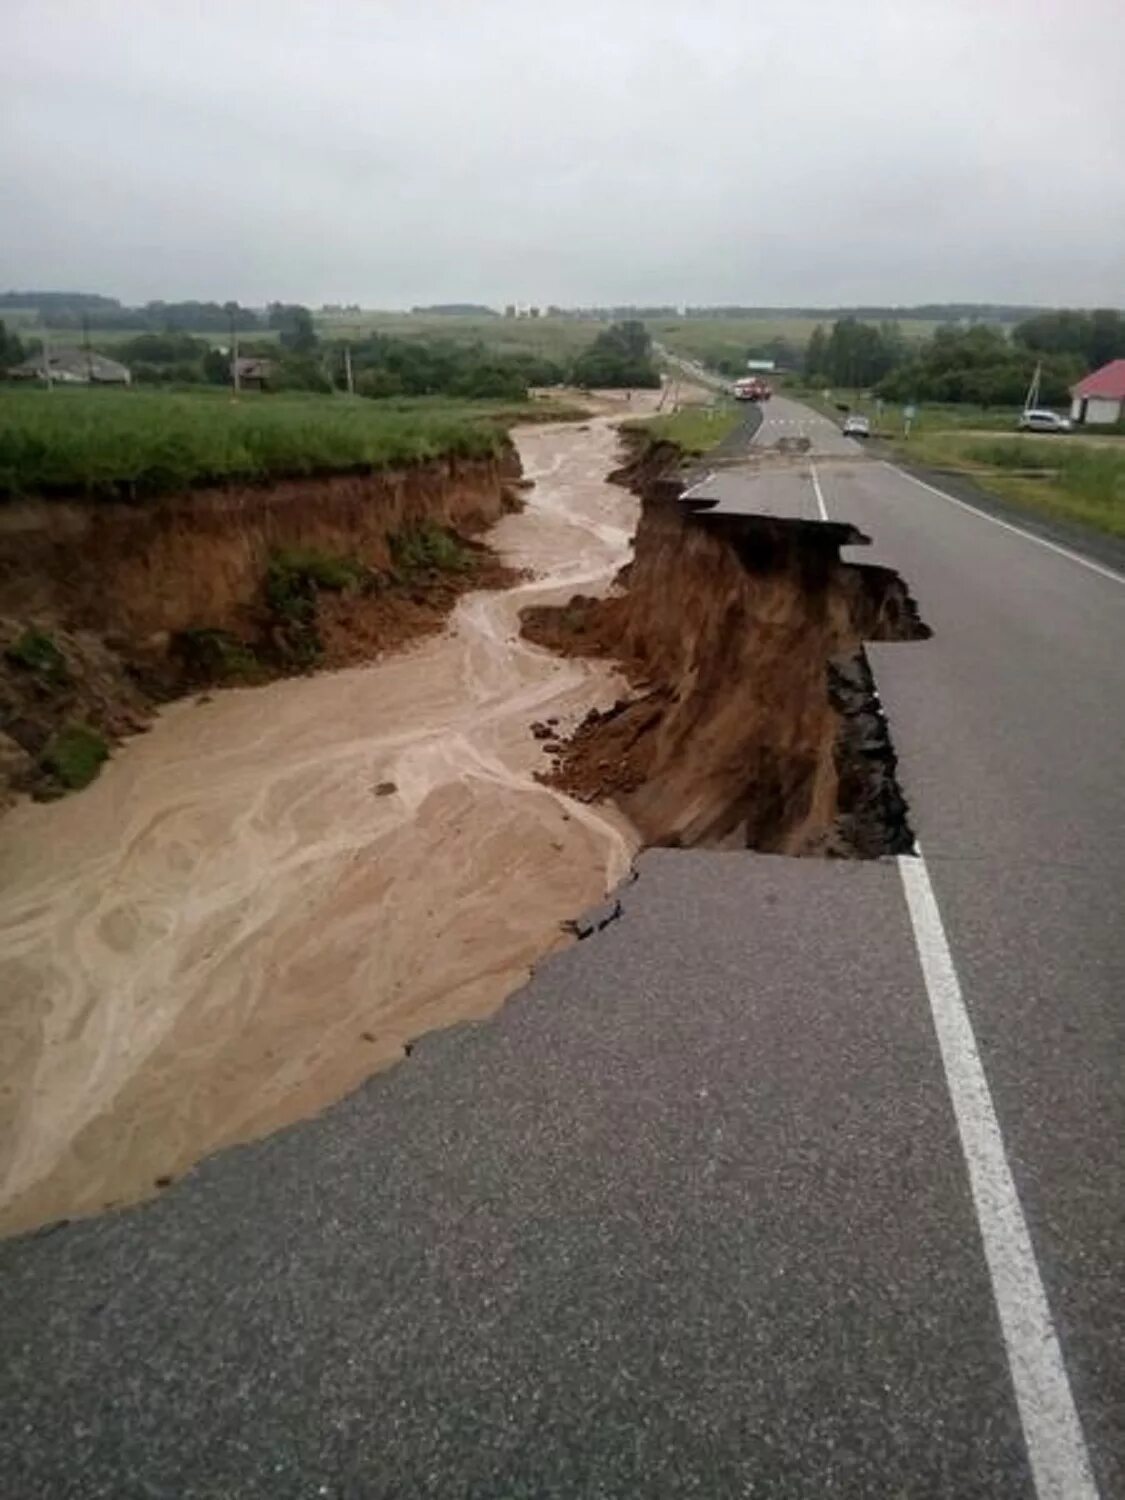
(73, 367)
(1099, 400)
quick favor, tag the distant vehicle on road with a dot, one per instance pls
(858, 427)
(1037, 419)
(750, 388)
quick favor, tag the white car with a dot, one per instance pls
(857, 427)
(1041, 420)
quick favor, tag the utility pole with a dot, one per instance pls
(236, 383)
(348, 369)
(47, 357)
(86, 347)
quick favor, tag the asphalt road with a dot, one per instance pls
(692, 1215)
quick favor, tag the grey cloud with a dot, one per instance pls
(394, 152)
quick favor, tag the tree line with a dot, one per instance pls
(980, 365)
(381, 364)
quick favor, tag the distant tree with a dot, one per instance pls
(295, 326)
(816, 354)
(979, 366)
(11, 349)
(216, 367)
(859, 354)
(1094, 337)
(620, 356)
(161, 349)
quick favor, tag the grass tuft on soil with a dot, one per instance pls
(74, 756)
(36, 651)
(429, 548)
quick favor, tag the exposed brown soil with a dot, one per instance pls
(140, 603)
(138, 571)
(749, 725)
(266, 897)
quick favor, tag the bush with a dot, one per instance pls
(297, 574)
(36, 652)
(75, 755)
(429, 547)
(210, 655)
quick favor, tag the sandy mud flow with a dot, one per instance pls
(242, 919)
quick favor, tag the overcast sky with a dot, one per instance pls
(389, 152)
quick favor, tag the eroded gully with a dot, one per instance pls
(242, 919)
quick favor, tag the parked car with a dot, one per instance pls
(1040, 420)
(858, 427)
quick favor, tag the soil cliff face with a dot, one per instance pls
(198, 559)
(106, 608)
(755, 723)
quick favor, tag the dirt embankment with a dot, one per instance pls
(754, 721)
(108, 608)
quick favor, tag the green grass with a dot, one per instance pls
(695, 429)
(36, 652)
(74, 756)
(427, 547)
(320, 570)
(549, 338)
(210, 655)
(139, 443)
(1060, 475)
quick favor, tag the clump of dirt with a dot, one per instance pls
(750, 724)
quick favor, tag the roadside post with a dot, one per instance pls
(908, 415)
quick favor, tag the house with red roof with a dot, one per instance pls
(1100, 398)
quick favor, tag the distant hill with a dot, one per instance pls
(458, 310)
(934, 312)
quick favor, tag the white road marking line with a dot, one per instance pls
(1007, 526)
(1060, 1464)
(819, 493)
(698, 485)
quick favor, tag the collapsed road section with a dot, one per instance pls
(754, 721)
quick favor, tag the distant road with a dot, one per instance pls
(801, 1178)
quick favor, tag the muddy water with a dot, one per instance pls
(239, 922)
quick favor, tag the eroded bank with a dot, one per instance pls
(264, 898)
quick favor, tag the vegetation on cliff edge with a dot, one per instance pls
(139, 443)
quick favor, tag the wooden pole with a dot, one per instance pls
(236, 382)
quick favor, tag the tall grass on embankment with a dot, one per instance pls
(693, 429)
(1081, 481)
(139, 443)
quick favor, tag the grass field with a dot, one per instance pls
(144, 442)
(1063, 476)
(547, 337)
(706, 339)
(695, 429)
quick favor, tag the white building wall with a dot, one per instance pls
(1100, 410)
